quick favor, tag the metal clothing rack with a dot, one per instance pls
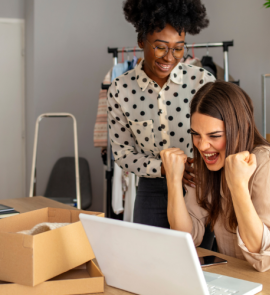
(115, 50)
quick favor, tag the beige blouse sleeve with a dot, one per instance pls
(197, 214)
(259, 187)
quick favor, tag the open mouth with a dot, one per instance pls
(164, 67)
(210, 158)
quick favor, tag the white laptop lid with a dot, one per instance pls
(145, 259)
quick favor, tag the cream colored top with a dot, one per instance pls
(231, 244)
(145, 119)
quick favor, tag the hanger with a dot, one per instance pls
(207, 62)
(123, 51)
(207, 59)
(189, 56)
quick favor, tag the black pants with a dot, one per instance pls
(151, 202)
(151, 207)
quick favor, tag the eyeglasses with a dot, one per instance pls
(161, 50)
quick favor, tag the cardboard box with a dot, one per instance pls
(31, 260)
(76, 281)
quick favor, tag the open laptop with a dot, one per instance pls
(149, 260)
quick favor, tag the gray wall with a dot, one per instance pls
(12, 8)
(66, 60)
(246, 22)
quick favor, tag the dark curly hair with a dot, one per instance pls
(148, 16)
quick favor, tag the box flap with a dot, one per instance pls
(63, 248)
(75, 214)
(75, 281)
(16, 253)
(23, 221)
(59, 215)
(93, 270)
(65, 215)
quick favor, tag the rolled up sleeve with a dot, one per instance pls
(261, 260)
(198, 216)
(260, 195)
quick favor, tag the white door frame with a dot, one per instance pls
(21, 22)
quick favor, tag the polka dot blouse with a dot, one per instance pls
(145, 118)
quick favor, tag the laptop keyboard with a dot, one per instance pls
(214, 290)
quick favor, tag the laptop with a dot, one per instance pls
(149, 260)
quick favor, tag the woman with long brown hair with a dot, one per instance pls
(232, 168)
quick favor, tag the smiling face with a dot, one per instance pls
(158, 69)
(209, 137)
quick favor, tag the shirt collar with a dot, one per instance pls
(177, 74)
(143, 80)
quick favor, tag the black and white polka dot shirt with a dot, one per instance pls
(145, 118)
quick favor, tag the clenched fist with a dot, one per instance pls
(239, 168)
(173, 160)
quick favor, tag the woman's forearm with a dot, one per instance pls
(178, 215)
(250, 225)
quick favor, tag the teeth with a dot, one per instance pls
(209, 155)
(164, 67)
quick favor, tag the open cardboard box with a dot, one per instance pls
(31, 260)
(86, 279)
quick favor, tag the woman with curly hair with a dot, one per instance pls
(232, 168)
(148, 106)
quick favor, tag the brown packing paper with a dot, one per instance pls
(87, 279)
(31, 260)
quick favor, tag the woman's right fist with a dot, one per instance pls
(173, 160)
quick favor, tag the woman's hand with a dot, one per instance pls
(239, 168)
(173, 161)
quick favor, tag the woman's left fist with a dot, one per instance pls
(239, 168)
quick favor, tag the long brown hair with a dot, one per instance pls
(227, 102)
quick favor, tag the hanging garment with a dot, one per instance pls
(117, 191)
(219, 70)
(193, 61)
(100, 129)
(120, 69)
(130, 198)
(134, 61)
(220, 73)
(123, 182)
(209, 65)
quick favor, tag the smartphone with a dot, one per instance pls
(211, 260)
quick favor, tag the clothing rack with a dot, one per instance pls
(115, 50)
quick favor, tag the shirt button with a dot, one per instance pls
(164, 141)
(164, 132)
